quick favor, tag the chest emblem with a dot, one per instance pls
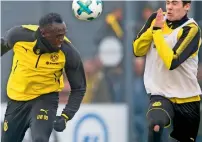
(54, 57)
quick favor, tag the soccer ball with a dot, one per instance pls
(87, 10)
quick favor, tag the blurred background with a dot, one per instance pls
(115, 103)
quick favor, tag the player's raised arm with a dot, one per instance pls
(144, 38)
(76, 77)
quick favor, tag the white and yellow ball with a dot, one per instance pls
(87, 10)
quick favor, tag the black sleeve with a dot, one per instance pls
(9, 39)
(4, 47)
(187, 45)
(146, 25)
(76, 77)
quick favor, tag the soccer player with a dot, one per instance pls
(171, 42)
(41, 53)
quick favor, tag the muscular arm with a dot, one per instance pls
(187, 45)
(144, 39)
(76, 77)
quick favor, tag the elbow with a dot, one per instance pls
(83, 91)
(80, 91)
(4, 48)
(136, 50)
(136, 53)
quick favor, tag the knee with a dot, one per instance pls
(162, 120)
(153, 122)
(40, 139)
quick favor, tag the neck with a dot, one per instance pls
(43, 44)
(177, 23)
(185, 17)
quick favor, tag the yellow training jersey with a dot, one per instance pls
(35, 73)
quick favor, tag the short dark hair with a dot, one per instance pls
(49, 19)
(186, 2)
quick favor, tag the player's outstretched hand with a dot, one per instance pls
(60, 123)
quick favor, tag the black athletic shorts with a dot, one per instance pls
(185, 117)
(37, 114)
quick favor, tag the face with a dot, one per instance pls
(176, 10)
(54, 33)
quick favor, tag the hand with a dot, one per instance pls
(60, 123)
(159, 19)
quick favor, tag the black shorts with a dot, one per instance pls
(37, 114)
(185, 117)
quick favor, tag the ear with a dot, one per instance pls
(187, 6)
(42, 31)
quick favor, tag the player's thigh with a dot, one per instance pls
(15, 121)
(42, 116)
(160, 111)
(186, 121)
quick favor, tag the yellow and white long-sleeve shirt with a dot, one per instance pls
(171, 58)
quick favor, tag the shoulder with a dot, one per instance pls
(70, 51)
(18, 33)
(72, 56)
(190, 31)
(192, 27)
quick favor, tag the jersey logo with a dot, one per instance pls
(45, 111)
(54, 57)
(155, 104)
(38, 51)
(43, 116)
